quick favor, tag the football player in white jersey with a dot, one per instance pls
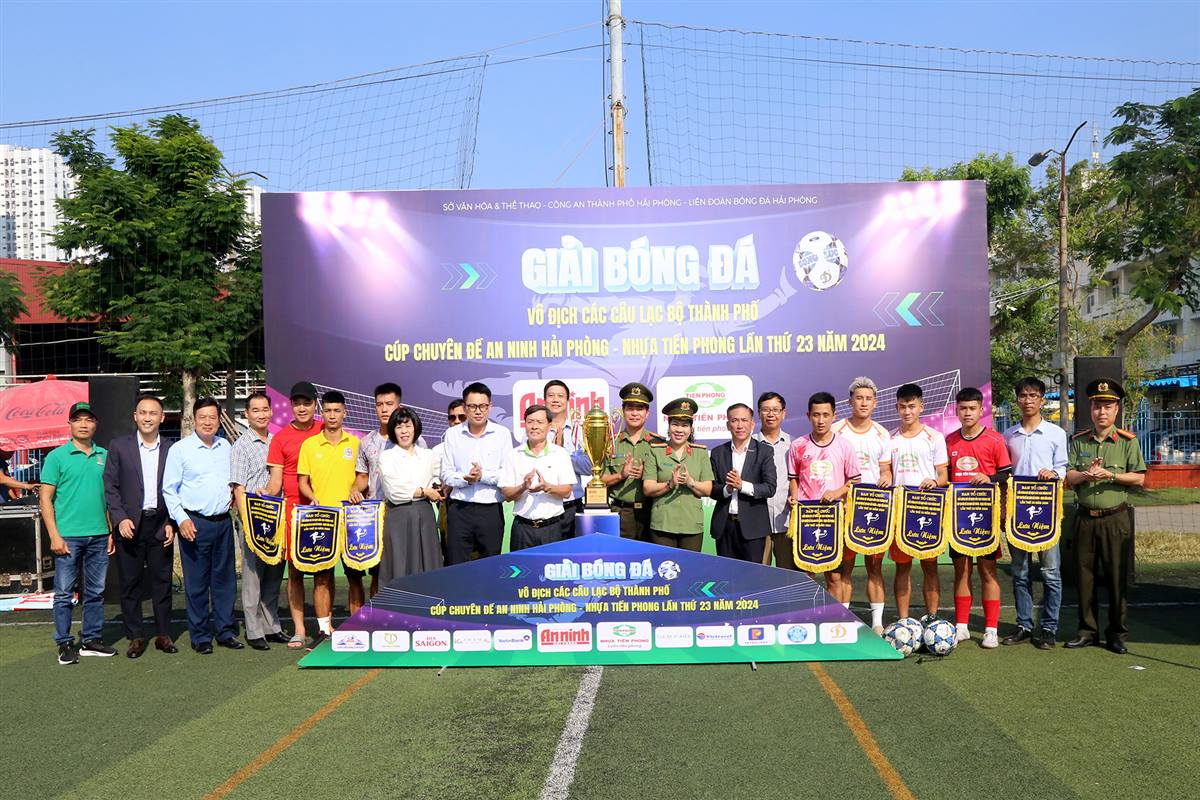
(873, 444)
(919, 459)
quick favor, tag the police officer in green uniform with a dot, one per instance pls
(1102, 463)
(681, 474)
(631, 453)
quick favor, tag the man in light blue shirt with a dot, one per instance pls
(197, 494)
(473, 456)
(1037, 448)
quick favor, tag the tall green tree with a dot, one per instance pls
(12, 305)
(1020, 266)
(1155, 219)
(169, 256)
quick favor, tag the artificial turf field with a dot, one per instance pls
(1014, 722)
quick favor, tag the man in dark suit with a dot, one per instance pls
(142, 530)
(743, 481)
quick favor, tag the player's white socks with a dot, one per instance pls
(846, 604)
(876, 615)
(325, 624)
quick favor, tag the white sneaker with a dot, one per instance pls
(962, 633)
(990, 640)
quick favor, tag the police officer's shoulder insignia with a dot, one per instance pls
(655, 438)
(659, 443)
(1124, 434)
(1083, 433)
(698, 446)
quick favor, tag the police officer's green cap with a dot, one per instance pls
(1105, 389)
(635, 392)
(81, 408)
(681, 408)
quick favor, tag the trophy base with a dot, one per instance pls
(595, 498)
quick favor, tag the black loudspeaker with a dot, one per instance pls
(1088, 369)
(112, 398)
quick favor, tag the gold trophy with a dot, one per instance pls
(597, 443)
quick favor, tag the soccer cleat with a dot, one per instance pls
(962, 633)
(316, 641)
(67, 654)
(96, 648)
(990, 640)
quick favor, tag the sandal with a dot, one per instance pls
(296, 642)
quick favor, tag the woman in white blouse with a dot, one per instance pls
(408, 473)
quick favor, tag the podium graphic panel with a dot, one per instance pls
(599, 600)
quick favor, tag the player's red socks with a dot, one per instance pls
(962, 609)
(991, 613)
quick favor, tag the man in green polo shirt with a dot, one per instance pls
(76, 519)
(631, 453)
(1103, 462)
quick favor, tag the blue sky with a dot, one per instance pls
(538, 118)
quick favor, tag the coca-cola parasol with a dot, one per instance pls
(35, 414)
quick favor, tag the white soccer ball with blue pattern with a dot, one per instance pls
(918, 630)
(939, 637)
(820, 261)
(901, 637)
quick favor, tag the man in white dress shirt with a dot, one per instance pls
(472, 459)
(537, 477)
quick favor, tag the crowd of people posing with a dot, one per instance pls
(143, 495)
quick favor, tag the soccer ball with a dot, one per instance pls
(916, 627)
(668, 570)
(939, 637)
(820, 261)
(901, 637)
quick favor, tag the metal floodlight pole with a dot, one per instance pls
(1063, 299)
(616, 64)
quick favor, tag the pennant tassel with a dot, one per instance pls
(870, 516)
(818, 534)
(317, 533)
(1034, 513)
(262, 525)
(922, 524)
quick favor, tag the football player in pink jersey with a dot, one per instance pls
(821, 466)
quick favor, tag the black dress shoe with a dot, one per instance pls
(278, 638)
(1045, 641)
(165, 644)
(204, 649)
(232, 644)
(258, 644)
(1016, 637)
(1080, 641)
(1118, 647)
(136, 648)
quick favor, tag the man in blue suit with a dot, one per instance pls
(142, 531)
(743, 480)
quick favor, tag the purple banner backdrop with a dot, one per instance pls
(718, 292)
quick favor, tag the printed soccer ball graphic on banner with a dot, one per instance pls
(916, 627)
(939, 637)
(901, 637)
(820, 261)
(668, 570)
